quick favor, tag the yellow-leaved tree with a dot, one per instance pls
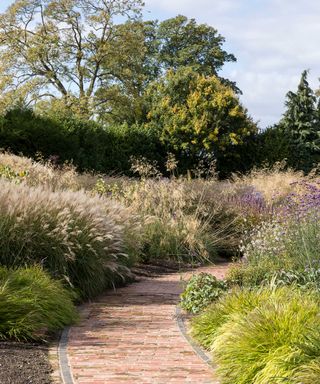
(199, 115)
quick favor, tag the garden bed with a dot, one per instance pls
(24, 363)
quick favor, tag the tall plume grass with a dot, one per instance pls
(79, 238)
(181, 220)
(40, 173)
(273, 183)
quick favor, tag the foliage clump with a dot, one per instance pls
(77, 238)
(33, 304)
(263, 336)
(201, 290)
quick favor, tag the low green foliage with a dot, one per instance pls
(32, 304)
(304, 279)
(201, 290)
(263, 336)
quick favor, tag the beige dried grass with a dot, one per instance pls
(82, 238)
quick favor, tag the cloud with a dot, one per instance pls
(189, 6)
(273, 40)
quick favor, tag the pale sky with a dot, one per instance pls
(273, 41)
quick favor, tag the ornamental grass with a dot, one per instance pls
(79, 238)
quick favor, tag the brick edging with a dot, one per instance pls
(64, 366)
(183, 329)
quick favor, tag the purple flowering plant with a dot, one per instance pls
(303, 203)
(250, 206)
(290, 238)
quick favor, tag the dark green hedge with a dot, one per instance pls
(88, 145)
(92, 147)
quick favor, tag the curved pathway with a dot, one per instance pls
(131, 336)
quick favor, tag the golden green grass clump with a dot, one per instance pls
(32, 304)
(263, 336)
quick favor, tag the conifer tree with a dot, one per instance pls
(301, 125)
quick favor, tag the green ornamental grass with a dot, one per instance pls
(264, 336)
(206, 325)
(32, 304)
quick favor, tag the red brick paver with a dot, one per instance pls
(131, 336)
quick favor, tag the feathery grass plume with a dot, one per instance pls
(35, 173)
(32, 304)
(73, 235)
(274, 182)
(177, 221)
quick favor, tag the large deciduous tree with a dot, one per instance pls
(96, 58)
(60, 49)
(183, 42)
(168, 45)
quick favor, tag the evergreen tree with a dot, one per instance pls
(301, 124)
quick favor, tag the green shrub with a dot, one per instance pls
(247, 275)
(201, 290)
(32, 304)
(272, 146)
(263, 336)
(127, 141)
(76, 237)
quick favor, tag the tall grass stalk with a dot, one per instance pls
(181, 220)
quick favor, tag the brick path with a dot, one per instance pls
(131, 336)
